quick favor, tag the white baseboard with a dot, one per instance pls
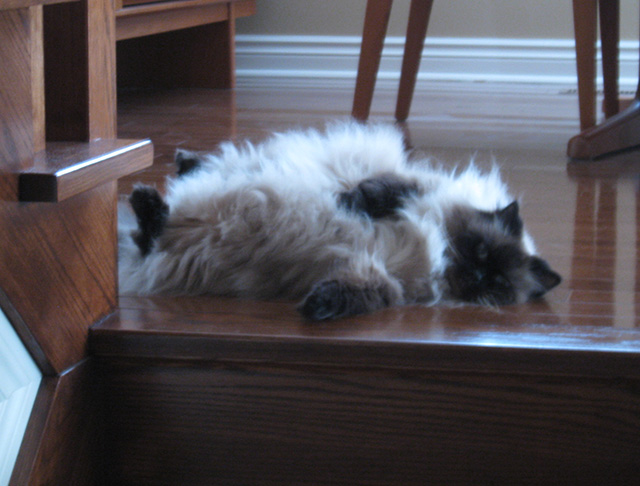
(332, 60)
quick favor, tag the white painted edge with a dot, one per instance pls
(19, 382)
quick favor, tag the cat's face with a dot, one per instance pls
(488, 264)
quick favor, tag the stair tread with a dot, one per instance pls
(522, 339)
(65, 169)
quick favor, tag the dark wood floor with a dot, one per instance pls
(583, 215)
(241, 392)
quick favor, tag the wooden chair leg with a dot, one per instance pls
(419, 14)
(584, 20)
(610, 35)
(375, 28)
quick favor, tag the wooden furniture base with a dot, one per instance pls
(617, 133)
(186, 44)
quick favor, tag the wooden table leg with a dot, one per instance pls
(375, 27)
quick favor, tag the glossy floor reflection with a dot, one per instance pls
(584, 216)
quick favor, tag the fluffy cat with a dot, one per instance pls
(338, 218)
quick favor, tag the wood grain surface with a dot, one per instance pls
(21, 133)
(64, 170)
(58, 260)
(63, 443)
(60, 274)
(80, 68)
(230, 391)
(188, 44)
(248, 424)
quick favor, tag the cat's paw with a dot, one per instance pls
(149, 208)
(187, 161)
(333, 299)
(151, 212)
(327, 300)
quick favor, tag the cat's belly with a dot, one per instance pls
(259, 244)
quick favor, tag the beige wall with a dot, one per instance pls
(450, 18)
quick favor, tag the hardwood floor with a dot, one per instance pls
(460, 394)
(582, 215)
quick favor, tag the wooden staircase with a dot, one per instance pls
(222, 391)
(59, 161)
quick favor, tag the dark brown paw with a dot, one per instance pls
(151, 213)
(333, 299)
(326, 301)
(187, 161)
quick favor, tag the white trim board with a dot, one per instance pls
(308, 60)
(19, 382)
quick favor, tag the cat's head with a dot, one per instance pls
(488, 263)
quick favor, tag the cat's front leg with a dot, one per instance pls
(332, 299)
(151, 213)
(378, 196)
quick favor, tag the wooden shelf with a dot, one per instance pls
(14, 4)
(155, 18)
(66, 169)
(171, 44)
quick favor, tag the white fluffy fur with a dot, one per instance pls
(262, 220)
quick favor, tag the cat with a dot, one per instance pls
(340, 219)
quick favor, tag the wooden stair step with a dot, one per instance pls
(65, 169)
(514, 340)
(245, 392)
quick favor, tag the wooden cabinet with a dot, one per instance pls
(182, 43)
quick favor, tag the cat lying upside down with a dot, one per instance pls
(340, 219)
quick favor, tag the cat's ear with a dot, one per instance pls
(509, 216)
(543, 274)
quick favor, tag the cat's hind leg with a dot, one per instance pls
(378, 197)
(187, 161)
(151, 214)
